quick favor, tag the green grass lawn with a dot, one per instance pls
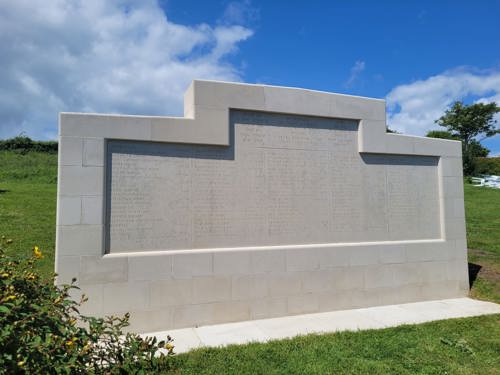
(458, 346)
(482, 209)
(28, 203)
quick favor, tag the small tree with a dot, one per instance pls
(470, 124)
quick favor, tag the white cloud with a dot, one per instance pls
(412, 108)
(101, 56)
(356, 70)
(240, 12)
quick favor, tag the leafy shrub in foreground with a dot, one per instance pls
(42, 331)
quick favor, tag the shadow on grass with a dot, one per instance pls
(473, 272)
(3, 191)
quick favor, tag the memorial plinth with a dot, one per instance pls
(262, 201)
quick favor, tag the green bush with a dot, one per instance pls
(42, 331)
(24, 144)
(488, 165)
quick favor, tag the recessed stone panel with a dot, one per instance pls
(283, 180)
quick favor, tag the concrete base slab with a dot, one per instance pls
(351, 320)
(235, 333)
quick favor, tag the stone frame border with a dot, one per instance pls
(81, 202)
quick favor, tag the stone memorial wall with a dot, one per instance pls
(262, 201)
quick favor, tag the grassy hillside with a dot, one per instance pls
(460, 346)
(28, 203)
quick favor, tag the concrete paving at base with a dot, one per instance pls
(346, 320)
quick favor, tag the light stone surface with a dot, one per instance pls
(261, 202)
(284, 180)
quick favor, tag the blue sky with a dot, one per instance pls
(138, 57)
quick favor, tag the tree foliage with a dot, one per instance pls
(442, 134)
(470, 121)
(488, 166)
(469, 124)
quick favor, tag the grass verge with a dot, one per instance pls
(457, 346)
